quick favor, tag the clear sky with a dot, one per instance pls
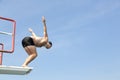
(85, 36)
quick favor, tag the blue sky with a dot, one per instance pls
(85, 36)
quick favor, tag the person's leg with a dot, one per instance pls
(31, 50)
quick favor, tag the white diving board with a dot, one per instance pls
(15, 70)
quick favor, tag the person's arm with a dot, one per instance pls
(31, 31)
(45, 27)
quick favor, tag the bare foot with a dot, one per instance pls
(24, 66)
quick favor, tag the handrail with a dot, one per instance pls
(13, 35)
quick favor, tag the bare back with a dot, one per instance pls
(39, 41)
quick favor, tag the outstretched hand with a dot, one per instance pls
(30, 30)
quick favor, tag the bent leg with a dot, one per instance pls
(32, 54)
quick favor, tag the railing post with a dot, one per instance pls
(1, 53)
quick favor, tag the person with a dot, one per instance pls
(30, 43)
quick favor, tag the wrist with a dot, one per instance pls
(44, 23)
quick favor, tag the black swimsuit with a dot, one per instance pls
(27, 41)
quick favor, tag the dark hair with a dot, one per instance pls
(50, 43)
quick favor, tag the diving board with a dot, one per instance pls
(15, 70)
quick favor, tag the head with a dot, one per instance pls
(48, 45)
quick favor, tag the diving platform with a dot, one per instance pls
(15, 70)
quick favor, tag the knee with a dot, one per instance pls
(34, 55)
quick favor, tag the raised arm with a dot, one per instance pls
(31, 31)
(45, 27)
